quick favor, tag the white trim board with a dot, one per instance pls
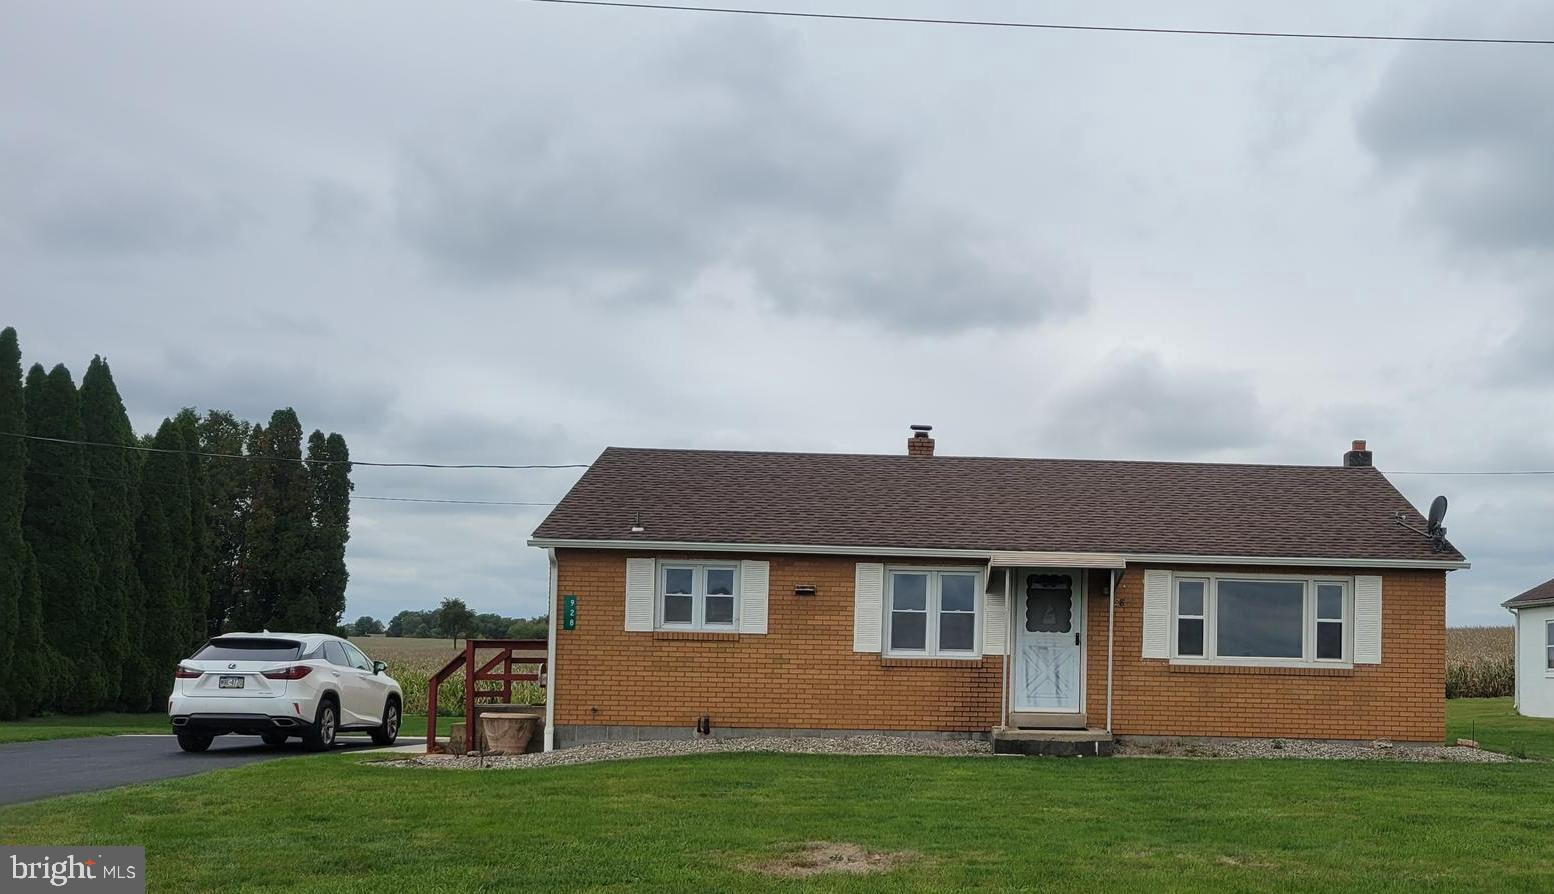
(1031, 559)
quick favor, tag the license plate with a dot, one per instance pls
(231, 682)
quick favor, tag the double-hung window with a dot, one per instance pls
(1548, 644)
(697, 596)
(932, 613)
(1262, 619)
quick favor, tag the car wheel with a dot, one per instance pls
(194, 741)
(389, 731)
(322, 736)
(273, 738)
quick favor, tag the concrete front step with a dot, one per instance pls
(1047, 720)
(1053, 742)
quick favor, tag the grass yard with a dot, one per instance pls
(1498, 727)
(60, 726)
(699, 823)
(412, 728)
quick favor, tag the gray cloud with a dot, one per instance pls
(323, 398)
(726, 169)
(88, 209)
(1476, 130)
(1137, 406)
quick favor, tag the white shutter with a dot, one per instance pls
(1367, 619)
(754, 591)
(641, 584)
(1157, 614)
(995, 616)
(868, 606)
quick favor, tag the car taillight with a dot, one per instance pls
(187, 673)
(295, 672)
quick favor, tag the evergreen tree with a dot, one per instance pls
(163, 533)
(112, 485)
(278, 568)
(329, 472)
(20, 636)
(197, 590)
(57, 522)
(227, 485)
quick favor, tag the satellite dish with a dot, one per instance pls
(1437, 514)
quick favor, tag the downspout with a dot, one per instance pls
(1008, 644)
(1111, 627)
(550, 659)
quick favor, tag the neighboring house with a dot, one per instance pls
(1534, 611)
(756, 592)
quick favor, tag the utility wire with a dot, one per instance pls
(1046, 26)
(287, 459)
(1506, 472)
(185, 485)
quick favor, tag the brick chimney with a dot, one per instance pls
(920, 444)
(1357, 455)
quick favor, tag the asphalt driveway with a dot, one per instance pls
(33, 770)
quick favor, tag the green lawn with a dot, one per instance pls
(1497, 726)
(60, 726)
(335, 823)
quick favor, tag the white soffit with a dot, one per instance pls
(1015, 559)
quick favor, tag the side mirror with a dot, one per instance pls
(379, 667)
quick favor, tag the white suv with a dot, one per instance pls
(279, 685)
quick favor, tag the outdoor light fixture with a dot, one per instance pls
(804, 590)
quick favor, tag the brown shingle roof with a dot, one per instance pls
(989, 503)
(1540, 595)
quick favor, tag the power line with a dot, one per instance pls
(287, 459)
(185, 485)
(1046, 26)
(460, 502)
(1493, 472)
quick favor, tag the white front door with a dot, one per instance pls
(1049, 640)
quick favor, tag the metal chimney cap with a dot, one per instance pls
(925, 429)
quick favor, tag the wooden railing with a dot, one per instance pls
(533, 652)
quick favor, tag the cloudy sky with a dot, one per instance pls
(500, 231)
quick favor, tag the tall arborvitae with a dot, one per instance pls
(329, 472)
(227, 484)
(188, 422)
(280, 531)
(57, 522)
(20, 632)
(112, 484)
(163, 533)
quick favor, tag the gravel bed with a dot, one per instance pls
(615, 751)
(897, 745)
(1302, 748)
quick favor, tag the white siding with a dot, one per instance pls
(641, 585)
(995, 616)
(1534, 680)
(868, 606)
(754, 593)
(1367, 619)
(1157, 613)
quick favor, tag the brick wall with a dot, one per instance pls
(804, 674)
(1403, 698)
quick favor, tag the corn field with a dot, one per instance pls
(413, 661)
(1480, 662)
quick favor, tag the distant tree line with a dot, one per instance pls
(116, 562)
(454, 619)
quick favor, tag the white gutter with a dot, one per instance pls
(1001, 557)
(550, 661)
(1111, 628)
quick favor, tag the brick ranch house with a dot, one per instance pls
(1033, 600)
